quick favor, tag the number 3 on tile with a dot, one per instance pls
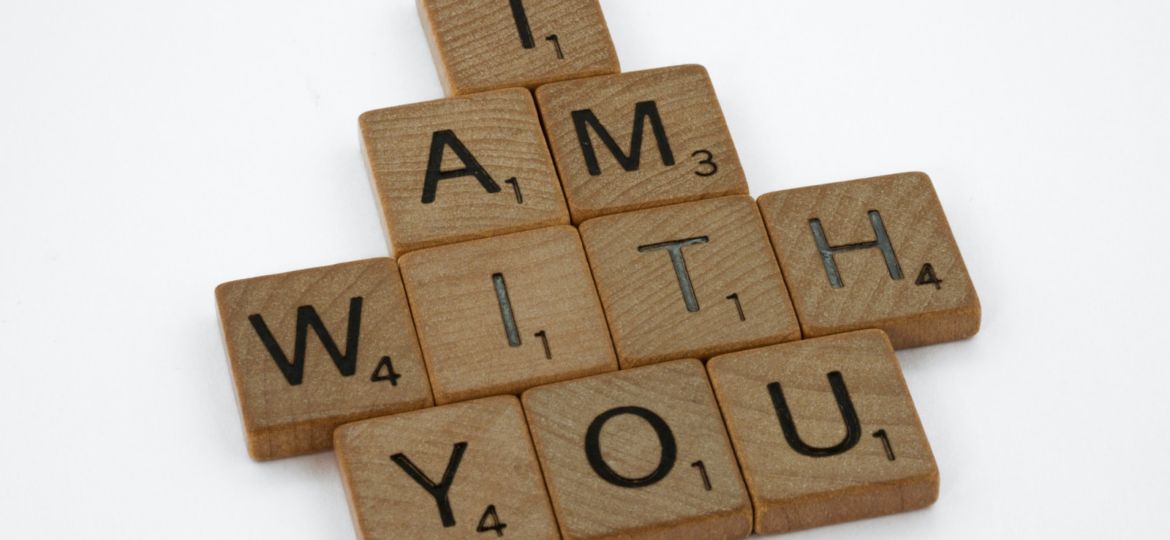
(707, 166)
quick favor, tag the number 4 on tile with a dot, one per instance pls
(490, 521)
(926, 276)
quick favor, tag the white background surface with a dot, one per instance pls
(151, 150)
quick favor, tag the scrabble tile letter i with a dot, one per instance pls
(483, 45)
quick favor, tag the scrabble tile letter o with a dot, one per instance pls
(640, 453)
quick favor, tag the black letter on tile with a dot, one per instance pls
(584, 119)
(844, 404)
(511, 331)
(674, 249)
(665, 439)
(881, 241)
(307, 318)
(521, 18)
(438, 491)
(471, 167)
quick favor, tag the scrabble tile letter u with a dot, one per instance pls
(825, 431)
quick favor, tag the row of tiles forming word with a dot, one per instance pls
(821, 431)
(316, 348)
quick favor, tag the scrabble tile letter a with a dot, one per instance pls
(487, 45)
(462, 168)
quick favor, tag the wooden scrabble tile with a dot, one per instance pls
(504, 314)
(873, 253)
(462, 168)
(488, 45)
(455, 471)
(825, 431)
(641, 453)
(690, 280)
(312, 349)
(640, 139)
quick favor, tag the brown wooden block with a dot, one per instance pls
(873, 253)
(640, 139)
(312, 349)
(825, 431)
(690, 280)
(488, 45)
(641, 453)
(462, 168)
(465, 470)
(504, 314)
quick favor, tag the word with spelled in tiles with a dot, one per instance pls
(590, 329)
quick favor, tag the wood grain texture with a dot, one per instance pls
(500, 132)
(283, 419)
(691, 121)
(675, 505)
(551, 298)
(479, 46)
(793, 491)
(912, 310)
(644, 298)
(496, 468)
